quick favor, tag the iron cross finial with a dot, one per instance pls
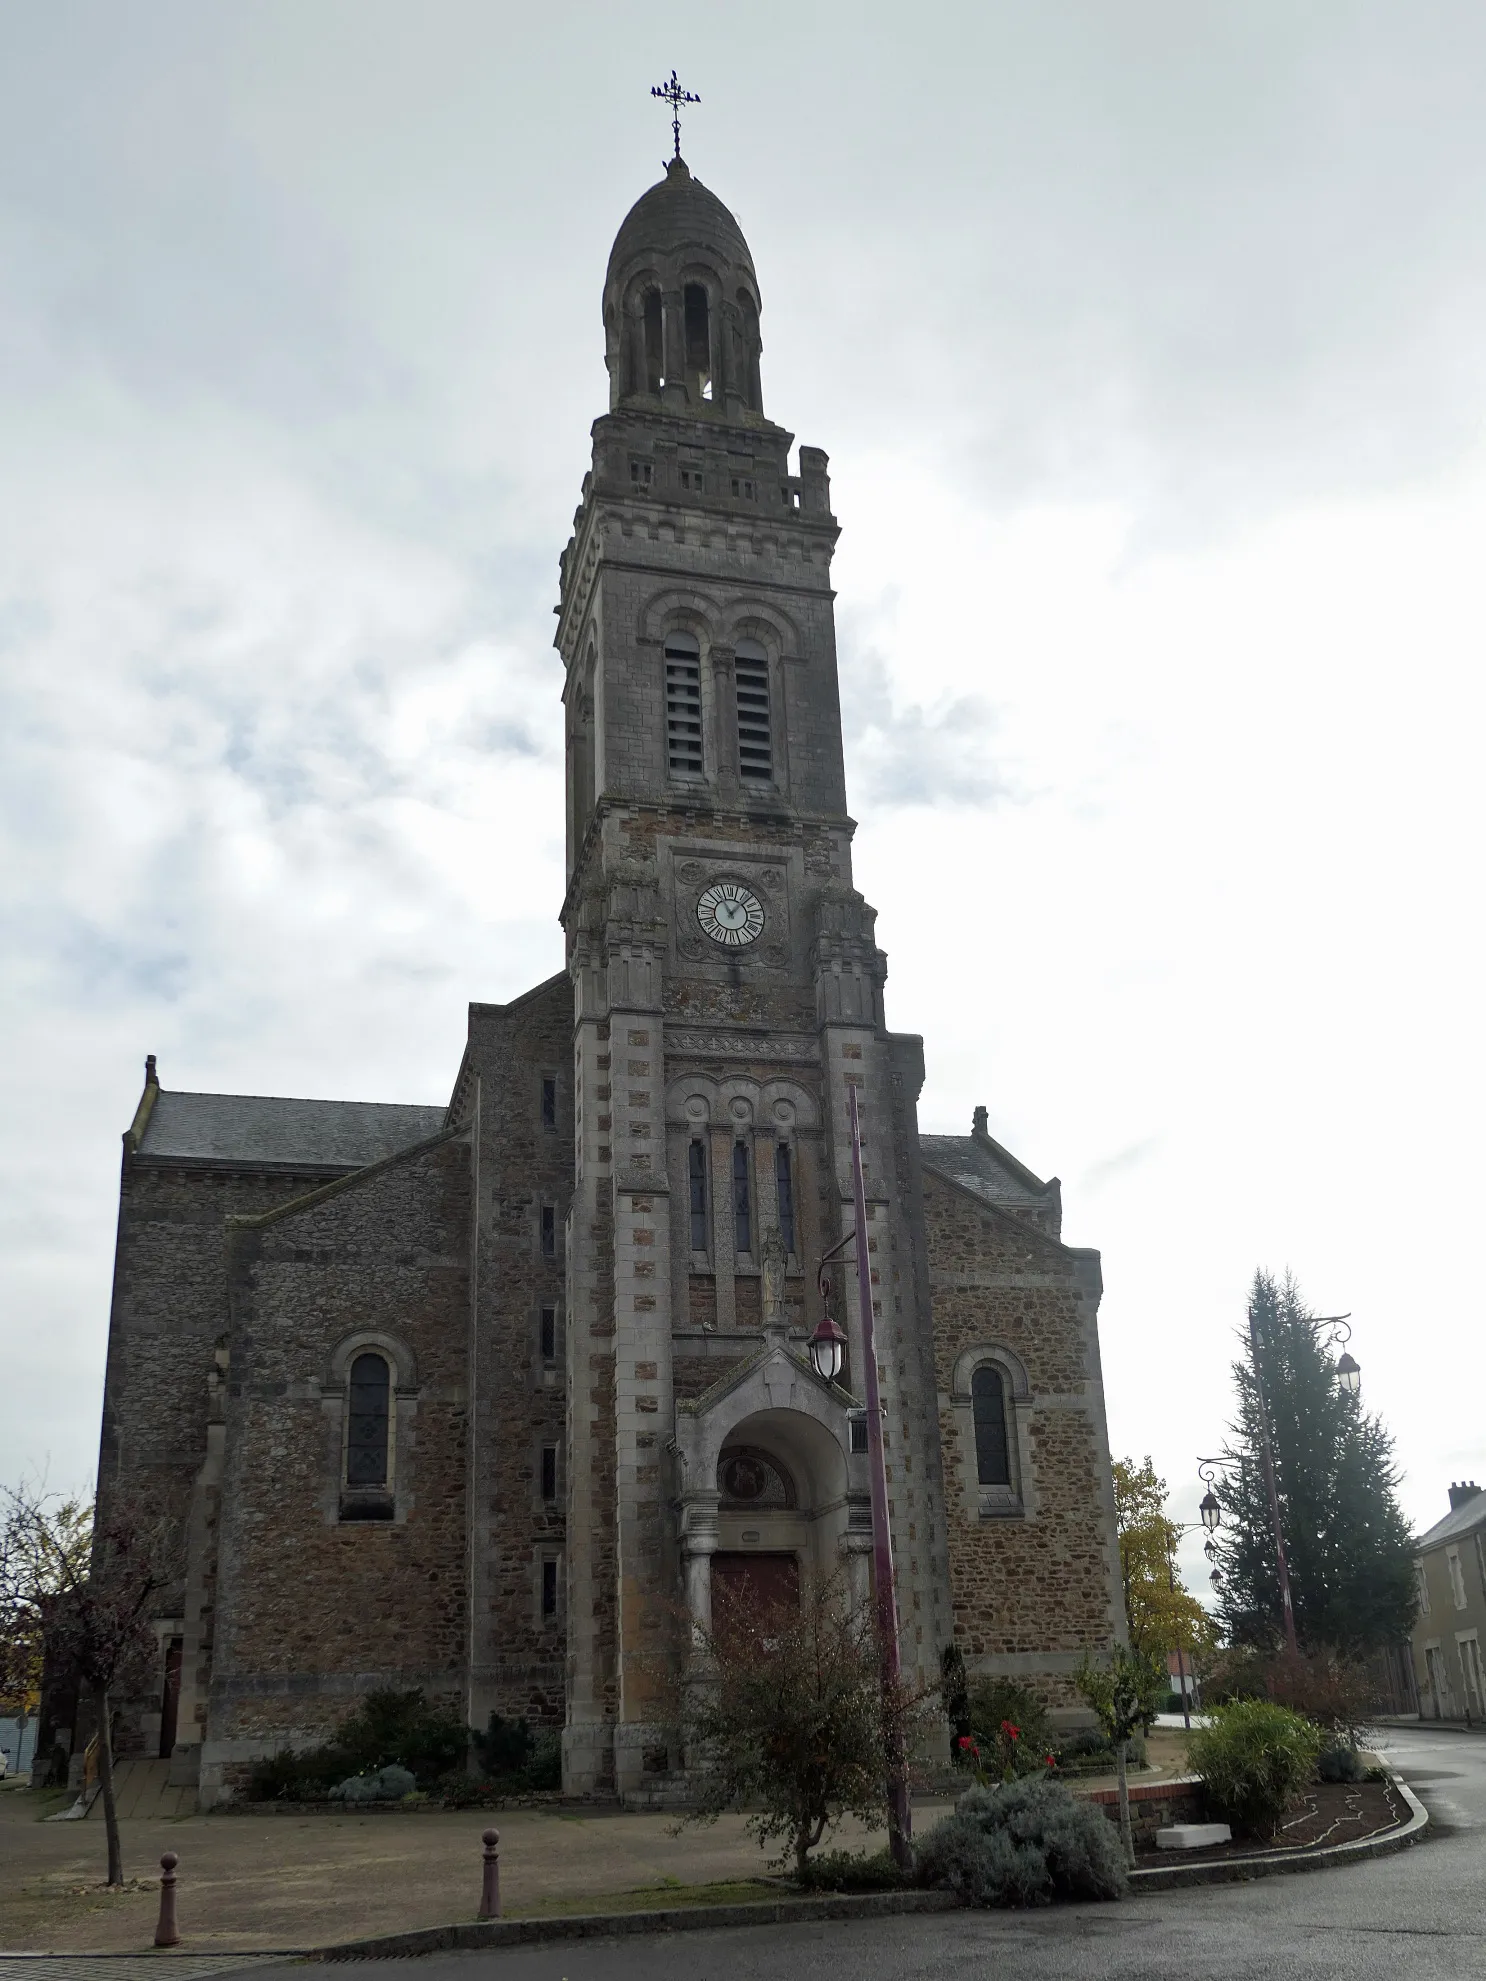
(675, 95)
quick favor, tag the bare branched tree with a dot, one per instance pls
(28, 1574)
(790, 1721)
(91, 1600)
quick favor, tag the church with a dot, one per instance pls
(490, 1397)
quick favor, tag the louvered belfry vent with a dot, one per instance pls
(683, 706)
(755, 735)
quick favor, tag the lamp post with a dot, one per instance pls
(1349, 1374)
(827, 1353)
(1181, 1669)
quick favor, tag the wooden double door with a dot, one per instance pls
(751, 1591)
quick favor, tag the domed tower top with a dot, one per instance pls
(681, 304)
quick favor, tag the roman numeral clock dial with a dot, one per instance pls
(730, 914)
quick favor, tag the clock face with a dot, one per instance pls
(730, 914)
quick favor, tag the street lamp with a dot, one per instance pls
(828, 1349)
(1210, 1549)
(1212, 1513)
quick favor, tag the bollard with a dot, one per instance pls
(165, 1929)
(490, 1887)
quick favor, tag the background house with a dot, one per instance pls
(1450, 1566)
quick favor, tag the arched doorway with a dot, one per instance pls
(780, 1512)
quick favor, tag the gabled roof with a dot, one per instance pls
(1463, 1519)
(262, 1130)
(979, 1164)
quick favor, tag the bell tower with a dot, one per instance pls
(727, 984)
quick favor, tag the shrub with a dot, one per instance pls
(544, 1769)
(513, 1761)
(954, 1690)
(388, 1729)
(1329, 1688)
(386, 1785)
(290, 1777)
(1000, 1702)
(850, 1871)
(1025, 1843)
(401, 1728)
(504, 1748)
(1253, 1759)
(1340, 1762)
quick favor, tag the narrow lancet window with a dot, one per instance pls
(988, 1401)
(683, 705)
(655, 363)
(742, 1199)
(698, 340)
(755, 739)
(784, 1184)
(696, 1172)
(368, 1421)
(752, 344)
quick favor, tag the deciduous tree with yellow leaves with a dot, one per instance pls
(1163, 1615)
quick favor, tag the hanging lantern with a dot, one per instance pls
(828, 1349)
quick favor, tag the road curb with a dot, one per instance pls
(477, 1933)
(1274, 1864)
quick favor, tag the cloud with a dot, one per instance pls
(1150, 371)
(1108, 1168)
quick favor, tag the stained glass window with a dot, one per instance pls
(366, 1435)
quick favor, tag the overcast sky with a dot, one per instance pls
(1146, 342)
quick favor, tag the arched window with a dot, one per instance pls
(755, 731)
(696, 1177)
(366, 1489)
(988, 1404)
(784, 1185)
(683, 705)
(698, 322)
(654, 338)
(742, 1199)
(752, 343)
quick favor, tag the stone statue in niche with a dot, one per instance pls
(772, 1260)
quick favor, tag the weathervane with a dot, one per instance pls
(675, 95)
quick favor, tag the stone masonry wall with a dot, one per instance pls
(315, 1610)
(520, 1399)
(1032, 1589)
(169, 1314)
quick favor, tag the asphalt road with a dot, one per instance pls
(1418, 1915)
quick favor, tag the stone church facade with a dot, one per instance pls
(485, 1397)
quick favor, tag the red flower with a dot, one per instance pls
(1011, 1732)
(1051, 1759)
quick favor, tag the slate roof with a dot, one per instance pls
(1459, 1520)
(259, 1129)
(982, 1165)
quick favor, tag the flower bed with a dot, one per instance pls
(1327, 1814)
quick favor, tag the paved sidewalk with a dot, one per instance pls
(287, 1880)
(249, 1882)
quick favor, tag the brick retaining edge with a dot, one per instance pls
(476, 1933)
(1239, 1870)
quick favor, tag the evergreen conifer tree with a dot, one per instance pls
(1346, 1540)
